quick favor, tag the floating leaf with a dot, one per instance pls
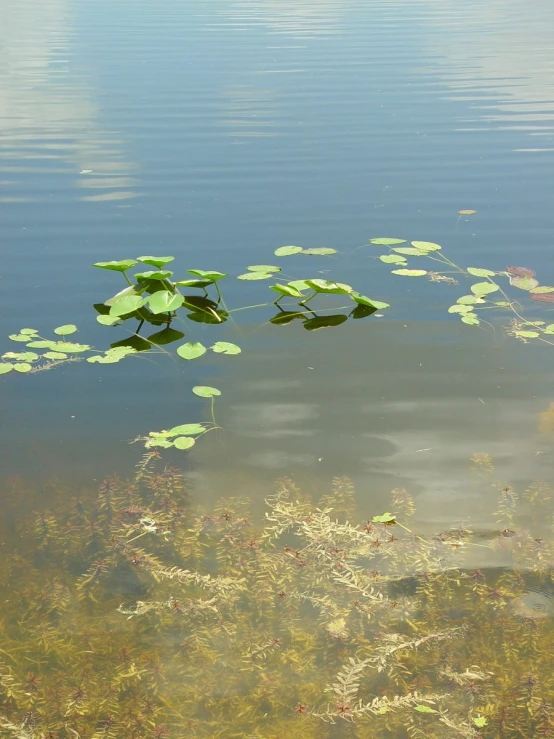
(410, 272)
(263, 268)
(19, 337)
(466, 212)
(471, 319)
(387, 518)
(542, 290)
(164, 301)
(392, 259)
(121, 266)
(484, 288)
(225, 347)
(549, 329)
(409, 250)
(184, 442)
(41, 344)
(328, 286)
(469, 300)
(186, 429)
(156, 261)
(153, 275)
(127, 304)
(387, 242)
(66, 330)
(285, 251)
(158, 441)
(460, 309)
(109, 320)
(5, 367)
(320, 251)
(520, 271)
(22, 367)
(524, 282)
(363, 300)
(212, 276)
(54, 355)
(478, 272)
(255, 276)
(69, 348)
(426, 245)
(527, 334)
(502, 303)
(191, 350)
(205, 391)
(539, 297)
(25, 356)
(287, 290)
(425, 709)
(29, 331)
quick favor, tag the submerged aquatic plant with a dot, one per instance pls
(136, 613)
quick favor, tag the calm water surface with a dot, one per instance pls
(217, 131)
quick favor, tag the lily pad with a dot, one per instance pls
(393, 259)
(524, 282)
(410, 272)
(184, 442)
(386, 241)
(225, 347)
(320, 251)
(191, 350)
(484, 288)
(66, 330)
(285, 251)
(426, 245)
(205, 391)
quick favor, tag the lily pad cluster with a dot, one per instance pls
(489, 293)
(50, 351)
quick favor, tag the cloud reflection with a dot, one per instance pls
(49, 120)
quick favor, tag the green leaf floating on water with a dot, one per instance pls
(205, 391)
(22, 367)
(19, 337)
(28, 331)
(116, 266)
(184, 442)
(527, 334)
(469, 300)
(320, 251)
(5, 367)
(484, 288)
(409, 250)
(66, 330)
(186, 429)
(460, 309)
(386, 241)
(425, 709)
(54, 355)
(191, 350)
(525, 282)
(410, 272)
(207, 275)
(478, 272)
(42, 344)
(225, 347)
(255, 276)
(426, 245)
(164, 301)
(285, 251)
(155, 261)
(393, 259)
(542, 290)
(263, 268)
(69, 348)
(471, 319)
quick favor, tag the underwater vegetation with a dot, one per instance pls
(134, 612)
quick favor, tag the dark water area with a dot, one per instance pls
(217, 131)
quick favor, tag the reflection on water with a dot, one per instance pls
(304, 19)
(49, 119)
(498, 55)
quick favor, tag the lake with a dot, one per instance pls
(217, 132)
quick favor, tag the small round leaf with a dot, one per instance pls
(204, 391)
(186, 429)
(426, 245)
(387, 242)
(477, 272)
(184, 442)
(225, 347)
(155, 261)
(255, 276)
(285, 251)
(191, 350)
(410, 272)
(66, 330)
